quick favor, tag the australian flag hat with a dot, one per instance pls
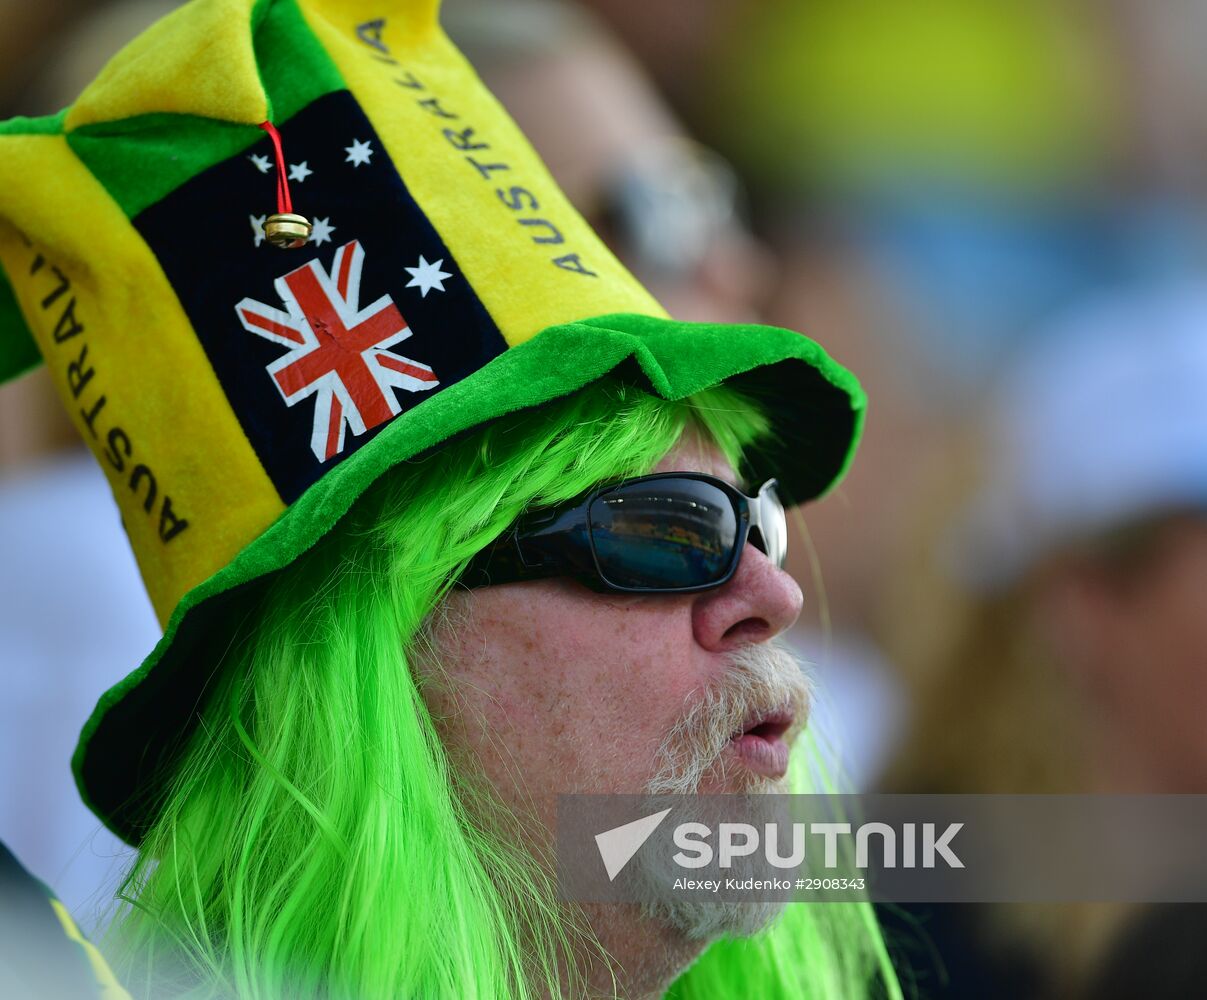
(240, 397)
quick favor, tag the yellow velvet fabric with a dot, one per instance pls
(197, 61)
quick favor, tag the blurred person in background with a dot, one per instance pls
(1052, 624)
(938, 177)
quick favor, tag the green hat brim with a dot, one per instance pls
(816, 405)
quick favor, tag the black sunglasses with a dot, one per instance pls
(671, 533)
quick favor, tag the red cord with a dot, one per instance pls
(284, 202)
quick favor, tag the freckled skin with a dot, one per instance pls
(550, 688)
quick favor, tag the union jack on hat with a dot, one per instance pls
(240, 397)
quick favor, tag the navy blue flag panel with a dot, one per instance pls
(318, 348)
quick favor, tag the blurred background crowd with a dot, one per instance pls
(994, 213)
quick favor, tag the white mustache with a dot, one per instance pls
(760, 679)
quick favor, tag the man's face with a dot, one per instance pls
(547, 688)
(550, 688)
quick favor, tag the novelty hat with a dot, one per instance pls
(240, 397)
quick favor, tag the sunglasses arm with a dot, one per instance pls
(499, 562)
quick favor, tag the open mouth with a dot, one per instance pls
(761, 743)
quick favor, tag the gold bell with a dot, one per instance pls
(286, 230)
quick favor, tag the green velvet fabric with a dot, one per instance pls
(45, 125)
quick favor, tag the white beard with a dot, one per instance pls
(761, 678)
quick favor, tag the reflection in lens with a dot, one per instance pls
(676, 534)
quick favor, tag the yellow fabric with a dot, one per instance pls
(198, 60)
(90, 277)
(110, 989)
(422, 96)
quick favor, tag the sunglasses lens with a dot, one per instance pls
(664, 535)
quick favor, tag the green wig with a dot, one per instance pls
(314, 839)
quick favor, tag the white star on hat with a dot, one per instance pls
(299, 171)
(261, 163)
(427, 276)
(321, 231)
(257, 227)
(358, 153)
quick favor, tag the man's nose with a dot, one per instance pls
(759, 602)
